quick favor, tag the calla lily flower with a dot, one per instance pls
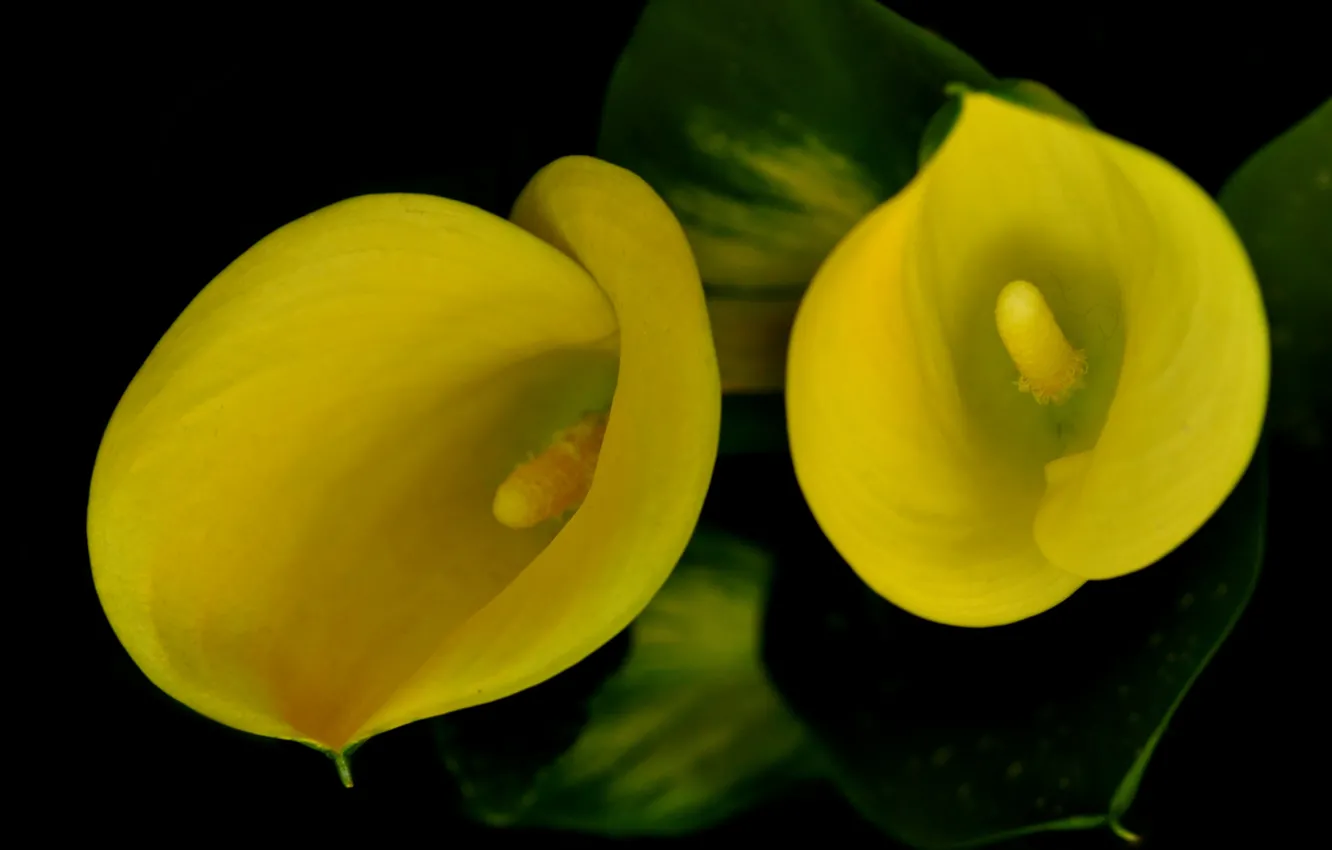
(403, 457)
(1044, 362)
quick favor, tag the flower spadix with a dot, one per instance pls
(1045, 361)
(404, 457)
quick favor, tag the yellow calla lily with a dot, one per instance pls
(404, 457)
(1044, 362)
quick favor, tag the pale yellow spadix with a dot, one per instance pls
(554, 481)
(1049, 366)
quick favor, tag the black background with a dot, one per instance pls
(193, 139)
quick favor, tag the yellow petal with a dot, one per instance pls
(950, 491)
(1192, 390)
(900, 476)
(290, 517)
(656, 457)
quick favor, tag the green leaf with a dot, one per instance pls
(949, 737)
(686, 733)
(1280, 203)
(772, 126)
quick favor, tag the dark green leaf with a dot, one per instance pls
(772, 126)
(1280, 203)
(494, 750)
(951, 737)
(686, 733)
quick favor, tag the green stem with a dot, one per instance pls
(344, 769)
(1131, 838)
